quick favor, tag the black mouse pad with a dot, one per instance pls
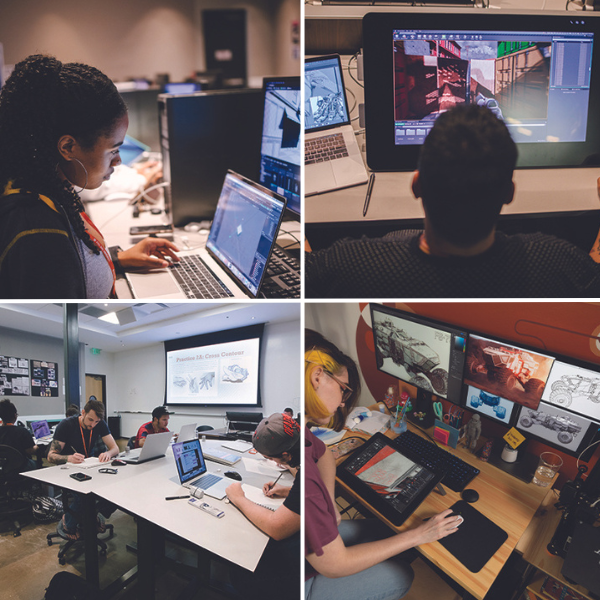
(476, 540)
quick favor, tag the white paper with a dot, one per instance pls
(258, 497)
(261, 466)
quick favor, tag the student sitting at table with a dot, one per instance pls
(17, 437)
(349, 559)
(278, 438)
(160, 420)
(61, 125)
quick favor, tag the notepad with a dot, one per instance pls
(257, 496)
(238, 445)
(89, 463)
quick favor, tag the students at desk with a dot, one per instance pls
(464, 179)
(74, 441)
(351, 558)
(276, 437)
(61, 126)
(14, 436)
(160, 420)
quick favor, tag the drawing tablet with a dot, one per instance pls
(476, 540)
(389, 481)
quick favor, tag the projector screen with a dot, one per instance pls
(215, 369)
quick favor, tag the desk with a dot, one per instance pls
(509, 502)
(141, 490)
(114, 218)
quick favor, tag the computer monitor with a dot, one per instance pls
(491, 406)
(422, 352)
(536, 72)
(280, 146)
(506, 370)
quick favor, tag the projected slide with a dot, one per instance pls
(218, 374)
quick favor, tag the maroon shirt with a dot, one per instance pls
(321, 515)
(145, 430)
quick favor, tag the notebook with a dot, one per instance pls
(332, 157)
(188, 432)
(192, 471)
(155, 446)
(257, 496)
(239, 246)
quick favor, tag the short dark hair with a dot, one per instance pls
(72, 410)
(96, 406)
(160, 411)
(465, 173)
(8, 411)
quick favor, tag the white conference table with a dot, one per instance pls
(141, 491)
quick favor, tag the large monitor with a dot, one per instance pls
(505, 370)
(280, 146)
(422, 352)
(539, 73)
(215, 369)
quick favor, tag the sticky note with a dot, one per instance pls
(513, 438)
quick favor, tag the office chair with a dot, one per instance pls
(13, 507)
(131, 442)
(201, 428)
(60, 533)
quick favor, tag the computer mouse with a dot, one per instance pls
(118, 463)
(456, 515)
(469, 495)
(233, 475)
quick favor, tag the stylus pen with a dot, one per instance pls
(275, 482)
(176, 497)
(369, 190)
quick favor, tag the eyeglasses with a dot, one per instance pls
(346, 389)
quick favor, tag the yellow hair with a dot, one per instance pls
(315, 409)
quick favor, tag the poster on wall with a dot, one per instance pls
(14, 376)
(44, 378)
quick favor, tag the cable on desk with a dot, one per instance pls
(585, 450)
(143, 193)
(353, 57)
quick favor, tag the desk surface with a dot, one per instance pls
(507, 501)
(141, 490)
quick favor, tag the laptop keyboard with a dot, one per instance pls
(197, 280)
(282, 277)
(328, 147)
(207, 481)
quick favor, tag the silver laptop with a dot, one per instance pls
(155, 446)
(187, 432)
(192, 471)
(332, 157)
(238, 249)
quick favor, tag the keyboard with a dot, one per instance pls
(282, 277)
(458, 472)
(207, 481)
(322, 149)
(197, 280)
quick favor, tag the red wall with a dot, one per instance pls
(569, 328)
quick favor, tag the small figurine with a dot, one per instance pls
(472, 432)
(486, 451)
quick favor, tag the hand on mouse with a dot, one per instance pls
(437, 527)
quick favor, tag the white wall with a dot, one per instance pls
(137, 382)
(140, 37)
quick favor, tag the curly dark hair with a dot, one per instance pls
(41, 101)
(8, 411)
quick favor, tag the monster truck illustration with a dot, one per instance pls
(489, 400)
(234, 374)
(566, 428)
(575, 386)
(414, 355)
(508, 366)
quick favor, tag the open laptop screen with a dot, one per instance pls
(245, 228)
(189, 460)
(325, 96)
(280, 146)
(40, 428)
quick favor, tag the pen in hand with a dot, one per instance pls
(275, 482)
(369, 190)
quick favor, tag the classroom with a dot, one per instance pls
(123, 363)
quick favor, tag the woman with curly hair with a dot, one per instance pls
(61, 125)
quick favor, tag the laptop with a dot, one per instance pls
(187, 432)
(41, 431)
(238, 249)
(155, 446)
(332, 157)
(191, 468)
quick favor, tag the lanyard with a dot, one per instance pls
(85, 448)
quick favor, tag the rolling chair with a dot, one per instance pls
(60, 533)
(13, 507)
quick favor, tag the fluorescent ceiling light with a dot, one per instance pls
(110, 318)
